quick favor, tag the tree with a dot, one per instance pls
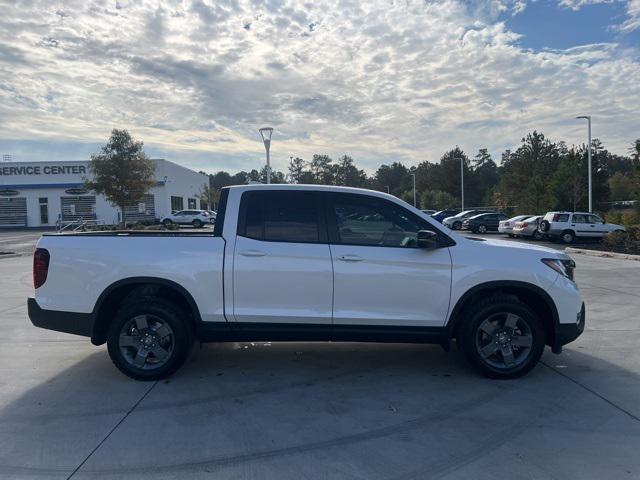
(296, 169)
(122, 172)
(634, 151)
(347, 174)
(321, 169)
(527, 172)
(394, 177)
(624, 187)
(436, 199)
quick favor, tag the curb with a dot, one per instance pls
(597, 253)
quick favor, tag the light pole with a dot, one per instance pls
(588, 119)
(461, 181)
(266, 133)
(414, 188)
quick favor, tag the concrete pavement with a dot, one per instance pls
(308, 410)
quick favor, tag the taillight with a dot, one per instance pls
(40, 266)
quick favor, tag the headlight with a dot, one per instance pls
(563, 267)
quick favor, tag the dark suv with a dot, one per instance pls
(485, 222)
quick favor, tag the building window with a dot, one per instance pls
(176, 204)
(192, 203)
(42, 200)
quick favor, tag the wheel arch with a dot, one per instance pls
(531, 295)
(138, 287)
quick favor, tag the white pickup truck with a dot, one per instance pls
(306, 263)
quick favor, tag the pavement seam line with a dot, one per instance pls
(135, 405)
(601, 397)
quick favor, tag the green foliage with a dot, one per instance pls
(122, 172)
(436, 199)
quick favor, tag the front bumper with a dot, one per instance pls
(568, 332)
(67, 322)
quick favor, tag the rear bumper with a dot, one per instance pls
(568, 332)
(67, 322)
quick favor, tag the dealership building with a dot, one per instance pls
(41, 194)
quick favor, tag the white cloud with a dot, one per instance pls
(381, 80)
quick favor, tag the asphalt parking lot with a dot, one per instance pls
(308, 410)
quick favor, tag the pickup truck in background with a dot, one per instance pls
(306, 263)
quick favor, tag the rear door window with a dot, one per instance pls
(281, 216)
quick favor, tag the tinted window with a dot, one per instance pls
(595, 219)
(280, 216)
(361, 220)
(578, 218)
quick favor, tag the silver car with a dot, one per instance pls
(528, 228)
(506, 226)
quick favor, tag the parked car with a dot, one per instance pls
(506, 226)
(483, 223)
(197, 218)
(442, 214)
(428, 212)
(567, 226)
(306, 263)
(455, 222)
(530, 228)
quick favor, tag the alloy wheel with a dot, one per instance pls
(146, 342)
(504, 340)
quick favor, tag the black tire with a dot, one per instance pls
(482, 229)
(536, 235)
(511, 235)
(498, 307)
(457, 225)
(568, 236)
(157, 311)
(197, 223)
(544, 226)
(166, 222)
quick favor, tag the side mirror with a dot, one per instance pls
(427, 239)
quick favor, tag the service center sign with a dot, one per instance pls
(43, 170)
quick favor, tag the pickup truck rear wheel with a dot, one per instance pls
(502, 337)
(149, 339)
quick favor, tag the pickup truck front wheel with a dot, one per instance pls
(149, 339)
(502, 337)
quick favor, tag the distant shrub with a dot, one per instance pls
(628, 241)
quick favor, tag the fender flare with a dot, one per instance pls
(454, 318)
(193, 306)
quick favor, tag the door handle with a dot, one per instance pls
(252, 253)
(350, 258)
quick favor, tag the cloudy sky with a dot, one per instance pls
(379, 80)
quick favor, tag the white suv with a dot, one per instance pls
(197, 218)
(567, 226)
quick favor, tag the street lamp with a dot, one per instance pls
(461, 181)
(266, 133)
(588, 119)
(414, 188)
